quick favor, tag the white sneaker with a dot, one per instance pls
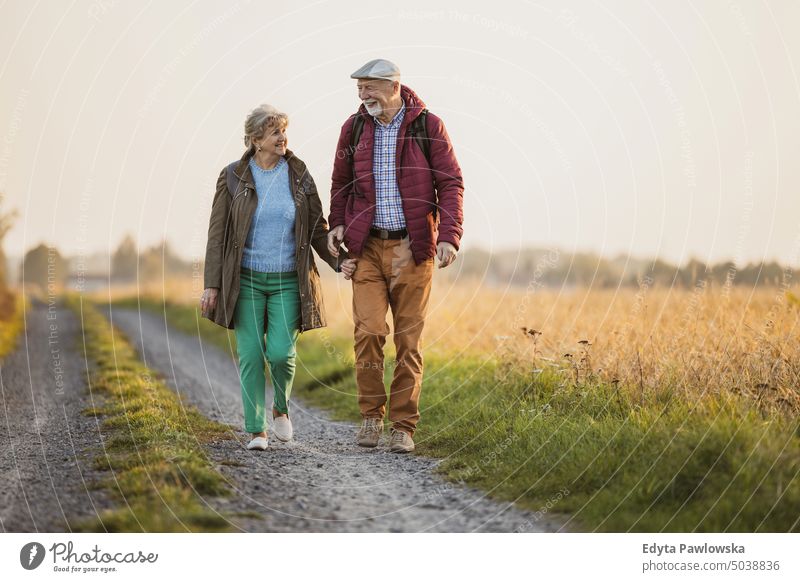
(258, 443)
(282, 427)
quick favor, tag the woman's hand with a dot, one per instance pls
(349, 267)
(209, 300)
(335, 237)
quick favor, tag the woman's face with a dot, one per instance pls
(274, 140)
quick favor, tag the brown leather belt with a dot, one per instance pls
(388, 234)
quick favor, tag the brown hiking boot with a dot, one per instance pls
(401, 442)
(370, 433)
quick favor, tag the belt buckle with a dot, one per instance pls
(384, 234)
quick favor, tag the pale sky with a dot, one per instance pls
(667, 129)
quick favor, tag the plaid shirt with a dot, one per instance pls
(389, 206)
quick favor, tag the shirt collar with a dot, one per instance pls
(398, 117)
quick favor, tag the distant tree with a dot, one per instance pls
(763, 274)
(44, 267)
(693, 272)
(124, 262)
(475, 263)
(660, 273)
(6, 295)
(723, 271)
(159, 262)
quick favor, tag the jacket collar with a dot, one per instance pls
(242, 171)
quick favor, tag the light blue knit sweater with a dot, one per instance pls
(270, 243)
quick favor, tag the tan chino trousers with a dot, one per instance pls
(387, 276)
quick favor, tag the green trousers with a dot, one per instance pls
(276, 298)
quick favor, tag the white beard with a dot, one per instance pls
(375, 110)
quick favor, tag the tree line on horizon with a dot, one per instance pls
(553, 268)
(44, 265)
(545, 267)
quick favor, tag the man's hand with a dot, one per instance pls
(446, 253)
(209, 300)
(348, 267)
(335, 237)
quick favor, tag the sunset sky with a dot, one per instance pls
(667, 129)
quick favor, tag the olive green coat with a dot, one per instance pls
(231, 215)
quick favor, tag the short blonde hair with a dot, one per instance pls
(259, 119)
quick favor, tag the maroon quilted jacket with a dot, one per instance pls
(432, 195)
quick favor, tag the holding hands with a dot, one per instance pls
(348, 267)
(335, 238)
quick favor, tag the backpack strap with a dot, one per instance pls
(232, 180)
(355, 135)
(418, 130)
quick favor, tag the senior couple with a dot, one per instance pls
(396, 202)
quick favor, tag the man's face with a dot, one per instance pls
(376, 94)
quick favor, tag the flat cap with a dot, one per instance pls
(378, 69)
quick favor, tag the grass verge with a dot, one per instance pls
(602, 457)
(10, 328)
(153, 441)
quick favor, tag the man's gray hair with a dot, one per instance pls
(259, 119)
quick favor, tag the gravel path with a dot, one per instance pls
(47, 444)
(322, 481)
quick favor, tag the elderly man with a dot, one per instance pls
(396, 201)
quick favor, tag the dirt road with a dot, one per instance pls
(47, 445)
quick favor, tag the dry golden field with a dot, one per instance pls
(707, 340)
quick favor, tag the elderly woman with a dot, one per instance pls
(260, 275)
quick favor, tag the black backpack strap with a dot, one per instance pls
(232, 180)
(355, 135)
(418, 129)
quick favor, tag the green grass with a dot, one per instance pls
(158, 470)
(610, 463)
(591, 453)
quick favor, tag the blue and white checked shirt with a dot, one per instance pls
(389, 207)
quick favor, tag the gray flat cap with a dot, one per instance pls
(378, 69)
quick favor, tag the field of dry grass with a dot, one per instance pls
(715, 340)
(701, 341)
